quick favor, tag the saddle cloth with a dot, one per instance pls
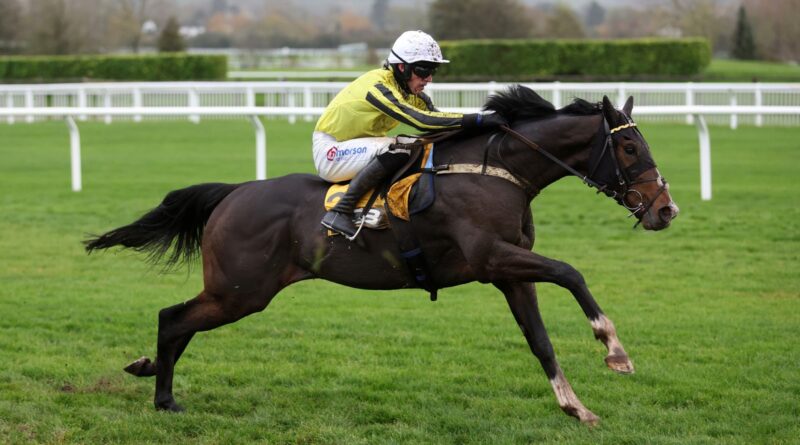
(401, 201)
(376, 217)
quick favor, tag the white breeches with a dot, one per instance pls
(340, 161)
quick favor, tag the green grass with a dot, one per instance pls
(722, 70)
(709, 310)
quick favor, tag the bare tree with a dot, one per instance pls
(128, 20)
(10, 15)
(475, 19)
(703, 18)
(775, 28)
(563, 23)
(49, 28)
(380, 8)
(629, 22)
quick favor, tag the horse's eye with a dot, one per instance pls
(630, 149)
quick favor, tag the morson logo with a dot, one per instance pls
(331, 153)
(335, 154)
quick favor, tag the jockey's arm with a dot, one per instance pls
(414, 111)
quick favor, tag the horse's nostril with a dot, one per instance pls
(667, 213)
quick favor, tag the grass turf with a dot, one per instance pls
(726, 70)
(709, 310)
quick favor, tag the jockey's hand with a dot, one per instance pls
(486, 120)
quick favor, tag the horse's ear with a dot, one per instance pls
(608, 111)
(628, 106)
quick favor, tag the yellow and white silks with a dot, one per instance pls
(352, 130)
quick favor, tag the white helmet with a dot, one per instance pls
(415, 46)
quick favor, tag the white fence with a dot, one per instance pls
(697, 112)
(446, 95)
(777, 104)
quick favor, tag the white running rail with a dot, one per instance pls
(446, 95)
(776, 104)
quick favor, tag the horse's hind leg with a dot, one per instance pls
(521, 299)
(144, 367)
(177, 324)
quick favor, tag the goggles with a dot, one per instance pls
(423, 71)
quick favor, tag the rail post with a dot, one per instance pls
(194, 102)
(705, 157)
(759, 102)
(29, 104)
(261, 147)
(74, 154)
(10, 104)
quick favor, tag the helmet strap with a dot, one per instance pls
(406, 74)
(400, 77)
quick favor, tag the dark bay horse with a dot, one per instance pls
(258, 237)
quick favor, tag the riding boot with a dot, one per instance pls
(340, 217)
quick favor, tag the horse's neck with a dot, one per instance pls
(568, 138)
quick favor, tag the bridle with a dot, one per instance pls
(626, 178)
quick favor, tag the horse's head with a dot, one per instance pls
(625, 170)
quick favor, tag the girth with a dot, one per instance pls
(483, 169)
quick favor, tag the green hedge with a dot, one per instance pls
(520, 60)
(149, 67)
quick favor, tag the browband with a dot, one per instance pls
(622, 127)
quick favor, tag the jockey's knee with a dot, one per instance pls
(392, 160)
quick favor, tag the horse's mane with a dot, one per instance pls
(519, 103)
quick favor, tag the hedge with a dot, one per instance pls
(520, 60)
(133, 67)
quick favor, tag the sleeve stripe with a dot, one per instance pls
(390, 112)
(428, 102)
(425, 120)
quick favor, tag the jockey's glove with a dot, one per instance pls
(483, 120)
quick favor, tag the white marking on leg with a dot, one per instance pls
(617, 359)
(569, 402)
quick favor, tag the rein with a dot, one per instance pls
(623, 175)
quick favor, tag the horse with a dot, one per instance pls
(256, 238)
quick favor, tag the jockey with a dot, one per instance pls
(350, 141)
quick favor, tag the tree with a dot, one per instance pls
(170, 39)
(775, 29)
(563, 23)
(476, 19)
(744, 46)
(127, 22)
(595, 15)
(50, 28)
(378, 13)
(10, 14)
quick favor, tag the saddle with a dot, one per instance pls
(409, 193)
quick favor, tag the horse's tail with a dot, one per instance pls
(177, 222)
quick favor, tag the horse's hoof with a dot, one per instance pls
(586, 417)
(620, 364)
(142, 367)
(170, 406)
(589, 418)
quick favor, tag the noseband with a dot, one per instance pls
(626, 178)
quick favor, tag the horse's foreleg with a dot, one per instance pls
(521, 299)
(617, 359)
(512, 262)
